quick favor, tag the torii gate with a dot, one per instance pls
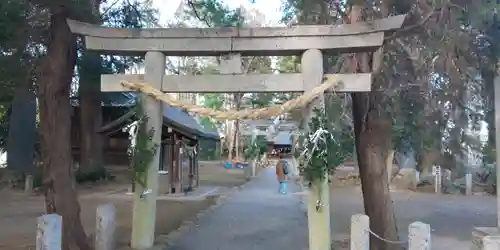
(310, 41)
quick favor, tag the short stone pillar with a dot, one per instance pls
(105, 227)
(491, 242)
(468, 184)
(360, 232)
(438, 174)
(28, 184)
(484, 237)
(49, 232)
(253, 165)
(419, 236)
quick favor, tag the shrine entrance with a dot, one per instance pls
(309, 42)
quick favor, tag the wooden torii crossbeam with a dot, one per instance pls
(310, 41)
(233, 83)
(356, 37)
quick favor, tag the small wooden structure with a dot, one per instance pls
(279, 136)
(179, 148)
(115, 107)
(181, 134)
(281, 143)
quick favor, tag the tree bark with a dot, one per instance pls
(234, 130)
(91, 142)
(372, 138)
(56, 72)
(372, 130)
(237, 127)
(426, 159)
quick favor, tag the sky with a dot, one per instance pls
(270, 8)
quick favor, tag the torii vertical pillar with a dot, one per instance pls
(144, 211)
(497, 143)
(318, 219)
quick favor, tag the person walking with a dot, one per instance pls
(282, 174)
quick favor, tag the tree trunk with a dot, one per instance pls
(372, 131)
(237, 138)
(230, 137)
(91, 142)
(426, 160)
(234, 132)
(372, 138)
(22, 129)
(55, 77)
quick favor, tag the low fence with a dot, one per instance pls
(419, 235)
(49, 232)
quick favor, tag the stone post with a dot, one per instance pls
(497, 142)
(197, 162)
(438, 178)
(318, 219)
(144, 211)
(491, 243)
(468, 184)
(253, 164)
(49, 232)
(360, 232)
(105, 227)
(28, 184)
(419, 236)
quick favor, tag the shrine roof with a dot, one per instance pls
(173, 117)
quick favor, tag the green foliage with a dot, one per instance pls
(23, 36)
(489, 153)
(321, 153)
(214, 13)
(209, 150)
(208, 124)
(126, 14)
(130, 14)
(19, 33)
(255, 148)
(4, 126)
(488, 176)
(144, 149)
(340, 129)
(213, 101)
(38, 177)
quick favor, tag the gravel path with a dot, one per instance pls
(255, 218)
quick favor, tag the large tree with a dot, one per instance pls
(89, 90)
(424, 66)
(55, 75)
(91, 65)
(42, 31)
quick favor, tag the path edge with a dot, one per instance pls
(162, 242)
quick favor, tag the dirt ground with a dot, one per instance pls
(451, 217)
(19, 211)
(212, 174)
